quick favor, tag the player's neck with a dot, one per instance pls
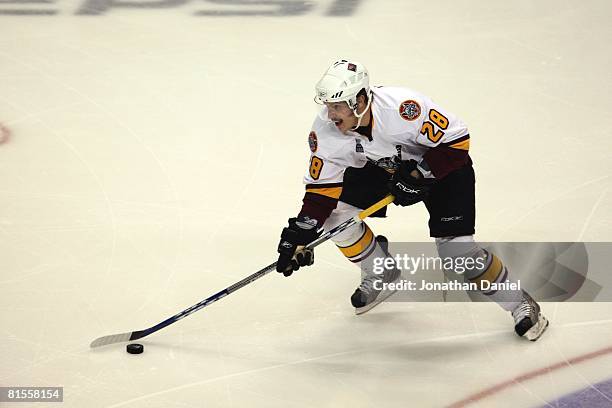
(365, 127)
(367, 117)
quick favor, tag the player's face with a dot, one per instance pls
(342, 116)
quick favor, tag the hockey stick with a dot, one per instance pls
(138, 334)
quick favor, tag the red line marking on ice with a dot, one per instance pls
(5, 134)
(487, 392)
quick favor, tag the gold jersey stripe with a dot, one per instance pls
(359, 246)
(492, 272)
(333, 192)
(463, 145)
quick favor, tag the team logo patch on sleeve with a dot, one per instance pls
(312, 141)
(409, 110)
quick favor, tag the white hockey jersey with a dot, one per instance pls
(405, 124)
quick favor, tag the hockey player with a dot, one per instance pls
(369, 142)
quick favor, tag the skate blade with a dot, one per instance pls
(538, 329)
(381, 298)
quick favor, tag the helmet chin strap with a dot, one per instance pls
(360, 116)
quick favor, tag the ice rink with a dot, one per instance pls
(152, 151)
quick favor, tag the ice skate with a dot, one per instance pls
(528, 320)
(367, 296)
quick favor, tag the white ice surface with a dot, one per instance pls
(155, 156)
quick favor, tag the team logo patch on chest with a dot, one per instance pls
(312, 141)
(409, 110)
(358, 146)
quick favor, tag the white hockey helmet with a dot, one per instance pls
(342, 81)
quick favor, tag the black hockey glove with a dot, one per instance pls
(292, 253)
(407, 188)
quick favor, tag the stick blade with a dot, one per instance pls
(113, 338)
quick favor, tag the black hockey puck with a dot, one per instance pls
(135, 348)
